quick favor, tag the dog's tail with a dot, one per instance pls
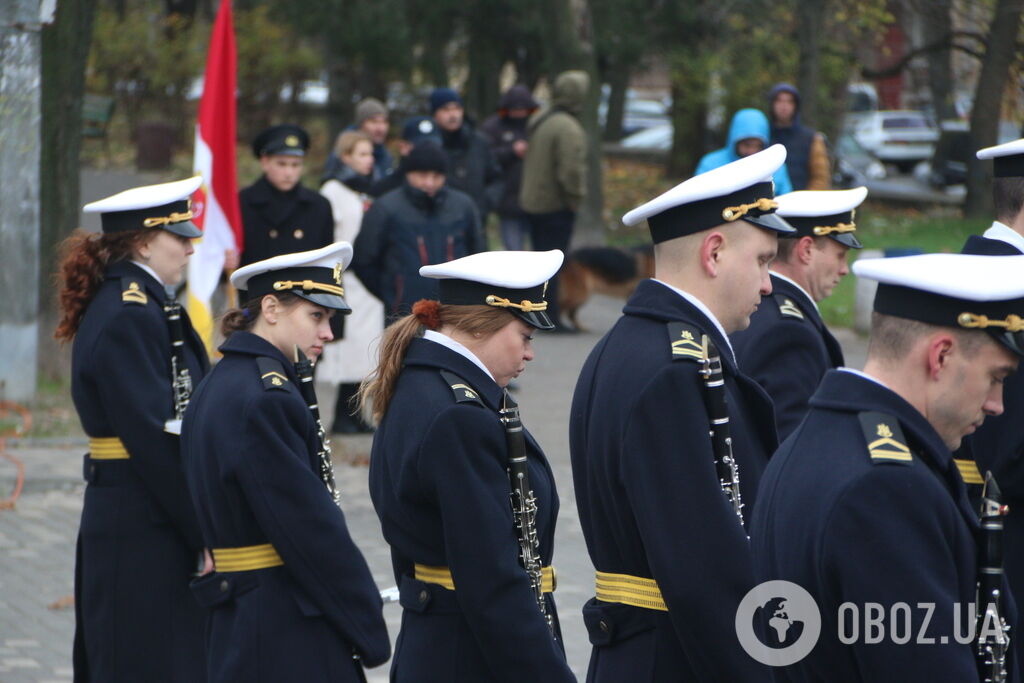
(612, 265)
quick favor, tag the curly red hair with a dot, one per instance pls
(85, 258)
(428, 312)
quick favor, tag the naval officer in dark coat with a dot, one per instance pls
(671, 553)
(998, 445)
(139, 541)
(787, 347)
(291, 598)
(441, 470)
(279, 214)
(863, 505)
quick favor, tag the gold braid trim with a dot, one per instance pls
(821, 230)
(309, 285)
(524, 305)
(167, 220)
(1012, 323)
(732, 213)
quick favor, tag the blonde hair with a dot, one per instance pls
(347, 142)
(378, 388)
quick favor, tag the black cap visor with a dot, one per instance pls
(184, 229)
(324, 299)
(1014, 341)
(770, 221)
(538, 319)
(847, 239)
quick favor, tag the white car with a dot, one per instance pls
(899, 137)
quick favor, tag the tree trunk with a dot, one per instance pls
(618, 80)
(482, 86)
(938, 24)
(690, 81)
(810, 26)
(65, 50)
(988, 98)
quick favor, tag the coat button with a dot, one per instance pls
(423, 596)
(604, 625)
(224, 586)
(273, 234)
(298, 233)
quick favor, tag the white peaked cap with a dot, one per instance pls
(812, 203)
(146, 196)
(510, 269)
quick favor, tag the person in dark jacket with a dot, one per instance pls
(440, 484)
(414, 131)
(291, 597)
(279, 214)
(419, 224)
(806, 153)
(371, 120)
(863, 508)
(787, 348)
(748, 134)
(998, 444)
(472, 167)
(139, 542)
(506, 131)
(667, 541)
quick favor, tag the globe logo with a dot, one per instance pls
(787, 616)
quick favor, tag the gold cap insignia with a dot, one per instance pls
(883, 430)
(276, 381)
(337, 272)
(292, 141)
(687, 335)
(470, 394)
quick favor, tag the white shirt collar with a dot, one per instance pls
(151, 272)
(703, 309)
(448, 342)
(795, 284)
(861, 373)
(1004, 233)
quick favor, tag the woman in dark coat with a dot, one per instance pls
(292, 598)
(139, 542)
(439, 479)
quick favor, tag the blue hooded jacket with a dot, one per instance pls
(746, 123)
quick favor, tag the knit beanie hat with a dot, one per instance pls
(426, 156)
(369, 108)
(442, 96)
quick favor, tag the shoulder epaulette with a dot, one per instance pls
(462, 391)
(885, 441)
(788, 307)
(132, 292)
(685, 341)
(272, 373)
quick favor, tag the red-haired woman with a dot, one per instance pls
(133, 360)
(475, 593)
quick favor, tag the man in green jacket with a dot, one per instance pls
(553, 172)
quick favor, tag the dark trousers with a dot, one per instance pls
(552, 231)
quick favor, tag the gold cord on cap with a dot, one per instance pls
(167, 220)
(822, 230)
(1012, 322)
(524, 305)
(309, 285)
(732, 213)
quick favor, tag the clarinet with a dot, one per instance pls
(993, 638)
(718, 412)
(181, 379)
(524, 505)
(304, 371)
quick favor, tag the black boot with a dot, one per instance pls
(344, 421)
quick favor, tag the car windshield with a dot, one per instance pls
(889, 123)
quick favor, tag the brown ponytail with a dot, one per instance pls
(85, 257)
(378, 389)
(244, 318)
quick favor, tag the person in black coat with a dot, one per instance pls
(863, 503)
(671, 553)
(472, 167)
(421, 223)
(291, 597)
(139, 541)
(998, 445)
(440, 482)
(787, 348)
(506, 131)
(279, 214)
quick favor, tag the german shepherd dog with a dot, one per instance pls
(604, 270)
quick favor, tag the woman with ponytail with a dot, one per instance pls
(291, 597)
(439, 480)
(139, 542)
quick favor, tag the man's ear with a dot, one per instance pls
(804, 246)
(940, 350)
(711, 249)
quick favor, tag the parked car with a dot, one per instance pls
(638, 114)
(899, 137)
(656, 137)
(854, 165)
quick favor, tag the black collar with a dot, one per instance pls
(425, 353)
(262, 192)
(126, 269)
(249, 344)
(802, 299)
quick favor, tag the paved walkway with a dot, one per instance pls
(37, 538)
